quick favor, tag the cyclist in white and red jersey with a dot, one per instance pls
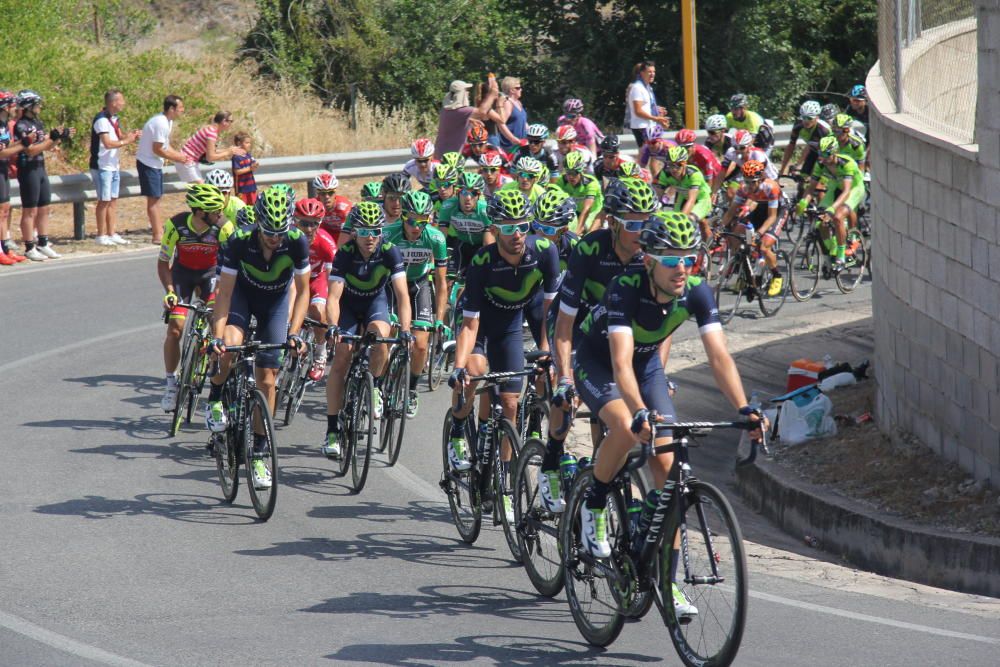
(491, 167)
(566, 140)
(421, 166)
(337, 206)
(700, 156)
(322, 248)
(734, 159)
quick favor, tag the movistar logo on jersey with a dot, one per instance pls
(593, 291)
(648, 337)
(267, 279)
(505, 298)
(588, 248)
(379, 274)
(480, 258)
(632, 281)
(542, 243)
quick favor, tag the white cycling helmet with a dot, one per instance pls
(538, 131)
(220, 178)
(422, 149)
(809, 109)
(566, 133)
(325, 180)
(716, 122)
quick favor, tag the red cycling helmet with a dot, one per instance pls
(477, 134)
(325, 180)
(309, 208)
(753, 169)
(685, 137)
(742, 138)
(422, 149)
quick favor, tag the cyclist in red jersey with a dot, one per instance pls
(700, 156)
(322, 248)
(337, 206)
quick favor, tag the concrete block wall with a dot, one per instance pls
(936, 270)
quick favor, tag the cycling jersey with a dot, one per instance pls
(336, 216)
(585, 128)
(721, 147)
(30, 131)
(536, 190)
(704, 158)
(492, 282)
(423, 255)
(365, 279)
(855, 148)
(588, 188)
(768, 191)
(809, 134)
(412, 169)
(751, 121)
(602, 171)
(591, 266)
(588, 158)
(845, 168)
(732, 155)
(546, 156)
(564, 246)
(244, 258)
(194, 250)
(658, 151)
(322, 250)
(5, 141)
(502, 180)
(233, 205)
(466, 227)
(692, 180)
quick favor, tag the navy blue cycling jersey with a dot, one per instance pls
(366, 278)
(243, 257)
(491, 281)
(628, 306)
(592, 265)
(564, 246)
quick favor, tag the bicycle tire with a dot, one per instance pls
(183, 379)
(282, 386)
(503, 481)
(433, 338)
(714, 546)
(362, 433)
(729, 286)
(854, 267)
(532, 416)
(804, 268)
(263, 500)
(296, 392)
(462, 488)
(770, 305)
(537, 529)
(703, 266)
(599, 622)
(228, 446)
(394, 404)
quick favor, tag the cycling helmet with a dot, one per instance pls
(841, 121)
(828, 112)
(508, 205)
(398, 183)
(220, 178)
(371, 191)
(452, 159)
(573, 105)
(668, 230)
(417, 202)
(205, 197)
(309, 208)
(245, 217)
(537, 132)
(366, 214)
(685, 137)
(325, 180)
(828, 146)
(610, 143)
(753, 169)
(810, 109)
(555, 208)
(716, 122)
(565, 133)
(629, 195)
(653, 133)
(677, 155)
(27, 98)
(274, 209)
(629, 169)
(574, 161)
(422, 149)
(477, 134)
(7, 98)
(490, 159)
(530, 165)
(858, 92)
(444, 175)
(470, 180)
(742, 138)
(738, 100)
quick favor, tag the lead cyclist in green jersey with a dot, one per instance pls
(585, 189)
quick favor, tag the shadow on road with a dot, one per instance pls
(148, 389)
(179, 507)
(143, 428)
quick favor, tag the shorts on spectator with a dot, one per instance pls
(150, 180)
(106, 182)
(249, 198)
(189, 173)
(4, 186)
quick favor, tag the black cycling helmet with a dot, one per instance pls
(738, 100)
(27, 98)
(396, 183)
(610, 144)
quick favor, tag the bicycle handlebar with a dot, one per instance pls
(310, 322)
(682, 429)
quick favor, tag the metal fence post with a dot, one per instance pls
(898, 73)
(79, 221)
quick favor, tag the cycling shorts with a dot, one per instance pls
(362, 312)
(421, 303)
(854, 200)
(501, 341)
(318, 289)
(759, 215)
(34, 184)
(595, 382)
(186, 281)
(460, 256)
(272, 322)
(4, 186)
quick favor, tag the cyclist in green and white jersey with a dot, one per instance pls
(528, 171)
(372, 191)
(464, 221)
(585, 189)
(851, 143)
(394, 186)
(424, 252)
(693, 195)
(810, 128)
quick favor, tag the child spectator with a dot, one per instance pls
(243, 168)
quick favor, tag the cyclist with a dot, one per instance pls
(528, 171)
(619, 373)
(759, 201)
(463, 218)
(259, 265)
(654, 150)
(845, 192)
(491, 168)
(693, 195)
(337, 206)
(810, 129)
(477, 143)
(858, 107)
(362, 270)
(424, 253)
(587, 132)
(394, 186)
(718, 139)
(611, 159)
(500, 283)
(322, 249)
(421, 165)
(566, 140)
(372, 191)
(8, 149)
(741, 118)
(554, 215)
(187, 262)
(442, 186)
(223, 180)
(699, 155)
(537, 147)
(828, 112)
(597, 258)
(742, 150)
(852, 144)
(585, 190)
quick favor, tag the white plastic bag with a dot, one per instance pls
(808, 415)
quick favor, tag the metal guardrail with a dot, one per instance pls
(77, 189)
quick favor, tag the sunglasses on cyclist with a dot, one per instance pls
(526, 174)
(752, 181)
(469, 193)
(573, 172)
(272, 235)
(519, 227)
(567, 141)
(326, 192)
(571, 116)
(673, 261)
(309, 224)
(423, 160)
(536, 141)
(418, 220)
(477, 143)
(392, 196)
(368, 232)
(490, 170)
(549, 230)
(629, 225)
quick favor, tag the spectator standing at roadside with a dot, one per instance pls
(243, 168)
(202, 148)
(643, 111)
(515, 118)
(8, 149)
(154, 148)
(456, 112)
(106, 139)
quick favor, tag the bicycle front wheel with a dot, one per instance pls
(462, 486)
(362, 433)
(503, 482)
(259, 413)
(770, 305)
(537, 529)
(712, 577)
(183, 380)
(394, 402)
(228, 451)
(729, 286)
(854, 265)
(804, 267)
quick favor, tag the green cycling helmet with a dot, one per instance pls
(445, 175)
(470, 180)
(677, 154)
(366, 214)
(555, 208)
(245, 217)
(205, 197)
(828, 146)
(628, 169)
(668, 230)
(509, 205)
(417, 202)
(274, 208)
(371, 191)
(452, 159)
(842, 120)
(574, 161)
(629, 195)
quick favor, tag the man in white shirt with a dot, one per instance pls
(105, 139)
(154, 148)
(644, 112)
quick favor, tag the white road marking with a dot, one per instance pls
(32, 358)
(63, 643)
(69, 262)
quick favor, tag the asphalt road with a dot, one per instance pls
(116, 547)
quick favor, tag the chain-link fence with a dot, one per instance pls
(927, 57)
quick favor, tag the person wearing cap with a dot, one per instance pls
(456, 112)
(858, 108)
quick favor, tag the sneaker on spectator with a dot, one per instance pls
(35, 256)
(104, 240)
(5, 260)
(17, 258)
(117, 238)
(13, 247)
(48, 251)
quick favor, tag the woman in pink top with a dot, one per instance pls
(587, 132)
(201, 147)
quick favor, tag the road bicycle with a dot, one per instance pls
(745, 274)
(810, 259)
(194, 362)
(709, 558)
(441, 348)
(293, 377)
(533, 407)
(395, 396)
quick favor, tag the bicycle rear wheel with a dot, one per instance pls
(263, 500)
(183, 379)
(770, 305)
(537, 529)
(362, 432)
(503, 481)
(462, 487)
(804, 267)
(714, 579)
(729, 286)
(590, 582)
(854, 266)
(228, 451)
(394, 402)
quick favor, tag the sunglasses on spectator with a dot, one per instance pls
(519, 227)
(368, 231)
(672, 261)
(629, 225)
(526, 174)
(417, 220)
(550, 230)
(469, 193)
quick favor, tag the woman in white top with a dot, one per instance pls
(642, 110)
